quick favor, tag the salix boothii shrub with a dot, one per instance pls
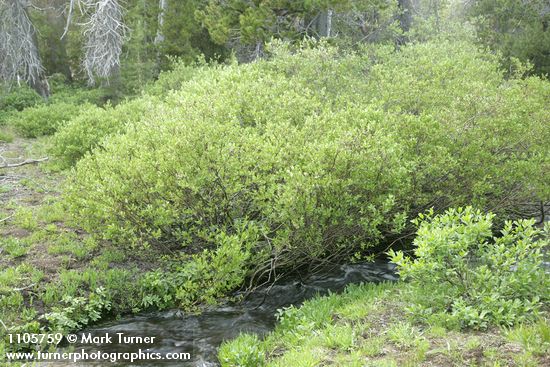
(323, 155)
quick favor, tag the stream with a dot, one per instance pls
(201, 335)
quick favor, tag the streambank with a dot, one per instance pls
(368, 325)
(201, 335)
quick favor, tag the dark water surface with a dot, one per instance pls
(201, 335)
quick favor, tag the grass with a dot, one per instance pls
(14, 247)
(367, 325)
(5, 137)
(45, 258)
(533, 338)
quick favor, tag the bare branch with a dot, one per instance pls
(69, 18)
(4, 162)
(19, 58)
(105, 33)
(24, 288)
(7, 218)
(26, 161)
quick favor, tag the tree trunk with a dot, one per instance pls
(323, 24)
(159, 38)
(39, 83)
(404, 17)
(41, 86)
(163, 8)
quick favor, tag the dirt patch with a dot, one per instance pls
(39, 258)
(14, 181)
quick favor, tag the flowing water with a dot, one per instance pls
(201, 335)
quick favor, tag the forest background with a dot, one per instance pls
(123, 44)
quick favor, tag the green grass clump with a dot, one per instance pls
(309, 333)
(318, 333)
(14, 247)
(243, 351)
(5, 137)
(535, 338)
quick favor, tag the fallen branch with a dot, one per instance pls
(22, 289)
(27, 161)
(5, 219)
(10, 290)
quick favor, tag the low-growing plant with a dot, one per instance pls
(27, 323)
(404, 334)
(75, 93)
(5, 137)
(174, 79)
(68, 243)
(19, 98)
(107, 256)
(78, 312)
(244, 351)
(6, 116)
(479, 279)
(316, 333)
(534, 338)
(13, 246)
(25, 218)
(44, 119)
(93, 124)
(118, 283)
(339, 337)
(23, 275)
(373, 346)
(204, 277)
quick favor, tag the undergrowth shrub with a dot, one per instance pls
(19, 98)
(479, 279)
(5, 137)
(484, 119)
(310, 187)
(78, 312)
(245, 350)
(190, 280)
(6, 116)
(80, 95)
(92, 125)
(44, 119)
(14, 100)
(174, 79)
(62, 91)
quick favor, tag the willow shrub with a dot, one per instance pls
(493, 130)
(43, 119)
(92, 125)
(203, 177)
(477, 279)
(320, 164)
(18, 98)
